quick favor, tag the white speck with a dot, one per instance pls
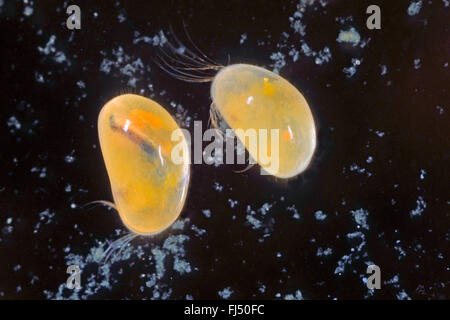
(127, 125)
(294, 53)
(218, 187)
(28, 11)
(360, 217)
(298, 296)
(379, 133)
(420, 208)
(417, 64)
(69, 158)
(81, 84)
(402, 295)
(243, 38)
(279, 61)
(250, 100)
(181, 266)
(321, 252)
(422, 174)
(225, 293)
(414, 7)
(160, 156)
(350, 36)
(350, 71)
(232, 203)
(13, 122)
(320, 215)
(256, 224)
(207, 213)
(292, 208)
(291, 135)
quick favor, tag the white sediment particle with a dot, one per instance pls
(414, 7)
(420, 207)
(13, 123)
(217, 187)
(262, 287)
(422, 174)
(60, 57)
(402, 295)
(69, 158)
(324, 252)
(399, 249)
(320, 215)
(356, 168)
(207, 213)
(256, 224)
(349, 36)
(28, 11)
(360, 217)
(159, 256)
(95, 281)
(179, 224)
(343, 20)
(383, 69)
(265, 208)
(440, 109)
(341, 264)
(50, 50)
(299, 27)
(225, 293)
(81, 84)
(39, 77)
(134, 69)
(392, 281)
(294, 210)
(350, 71)
(322, 56)
(198, 231)
(296, 23)
(369, 159)
(417, 64)
(378, 133)
(297, 296)
(243, 38)
(46, 216)
(232, 203)
(279, 61)
(294, 53)
(121, 17)
(49, 47)
(157, 40)
(173, 244)
(150, 283)
(181, 266)
(42, 171)
(355, 254)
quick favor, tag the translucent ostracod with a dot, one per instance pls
(250, 97)
(149, 189)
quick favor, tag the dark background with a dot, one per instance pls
(400, 119)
